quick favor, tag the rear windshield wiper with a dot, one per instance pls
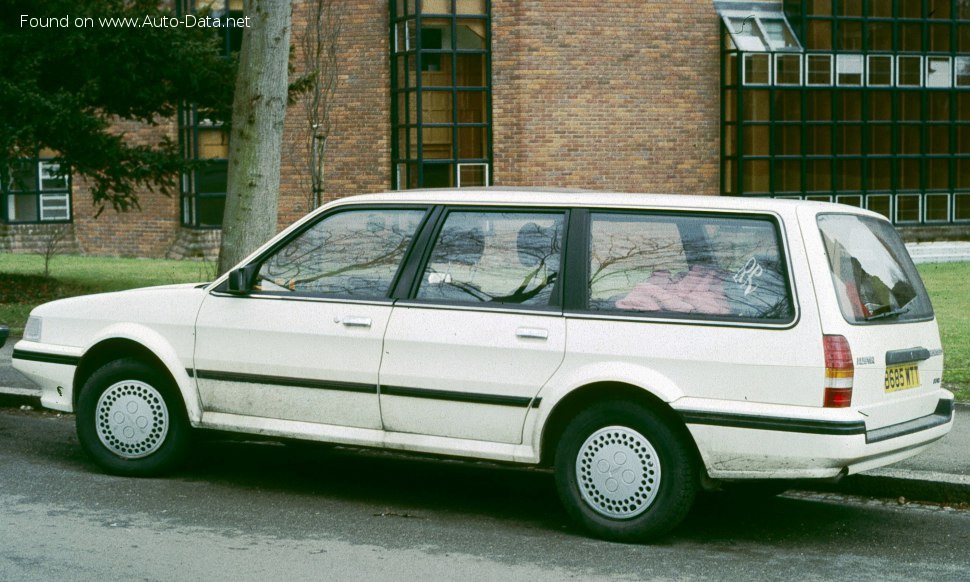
(890, 313)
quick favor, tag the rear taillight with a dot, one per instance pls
(839, 372)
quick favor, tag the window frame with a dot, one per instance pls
(40, 195)
(578, 290)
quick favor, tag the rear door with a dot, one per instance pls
(882, 309)
(465, 356)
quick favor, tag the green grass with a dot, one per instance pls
(23, 286)
(947, 284)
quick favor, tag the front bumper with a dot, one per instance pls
(52, 368)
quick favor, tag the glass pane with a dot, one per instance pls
(880, 36)
(436, 6)
(910, 138)
(436, 69)
(855, 201)
(962, 145)
(850, 35)
(850, 8)
(963, 106)
(473, 175)
(495, 257)
(938, 106)
(910, 103)
(22, 208)
(963, 173)
(472, 143)
(213, 143)
(818, 140)
(880, 173)
(818, 175)
(849, 139)
(819, 69)
(757, 70)
(880, 72)
(938, 174)
(730, 176)
(881, 8)
(907, 208)
(678, 265)
(788, 140)
(756, 140)
(938, 37)
(788, 176)
(819, 35)
(755, 176)
(212, 178)
(938, 71)
(437, 143)
(471, 107)
(730, 140)
(910, 36)
(962, 66)
(880, 105)
(470, 34)
(818, 7)
(51, 177)
(909, 173)
(909, 71)
(880, 139)
(435, 34)
(849, 70)
(471, 7)
(209, 210)
(937, 207)
(22, 176)
(849, 106)
(354, 253)
(848, 175)
(756, 106)
(880, 204)
(939, 139)
(961, 207)
(730, 105)
(788, 70)
(963, 37)
(910, 9)
(788, 105)
(777, 33)
(438, 175)
(730, 69)
(940, 9)
(471, 71)
(818, 106)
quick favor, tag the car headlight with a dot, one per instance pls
(32, 329)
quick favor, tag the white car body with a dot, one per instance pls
(487, 381)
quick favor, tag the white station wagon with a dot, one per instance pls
(642, 346)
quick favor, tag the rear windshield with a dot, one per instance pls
(874, 277)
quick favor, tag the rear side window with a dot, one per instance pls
(875, 280)
(706, 267)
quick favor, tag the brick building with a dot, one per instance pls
(865, 102)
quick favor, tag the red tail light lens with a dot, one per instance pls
(839, 372)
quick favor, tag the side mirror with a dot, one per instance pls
(240, 280)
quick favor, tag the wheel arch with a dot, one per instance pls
(581, 398)
(161, 357)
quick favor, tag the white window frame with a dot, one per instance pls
(956, 75)
(488, 179)
(953, 208)
(949, 77)
(801, 70)
(744, 69)
(855, 59)
(808, 82)
(892, 70)
(892, 204)
(922, 72)
(949, 207)
(919, 209)
(59, 211)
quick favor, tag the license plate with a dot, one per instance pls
(902, 377)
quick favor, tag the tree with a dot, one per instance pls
(64, 86)
(256, 140)
(317, 44)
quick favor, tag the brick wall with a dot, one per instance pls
(621, 95)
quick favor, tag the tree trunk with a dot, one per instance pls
(259, 107)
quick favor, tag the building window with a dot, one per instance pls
(35, 190)
(203, 189)
(441, 93)
(879, 117)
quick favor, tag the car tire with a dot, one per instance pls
(624, 473)
(131, 419)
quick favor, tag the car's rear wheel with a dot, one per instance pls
(131, 420)
(624, 473)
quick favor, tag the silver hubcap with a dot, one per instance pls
(618, 472)
(132, 419)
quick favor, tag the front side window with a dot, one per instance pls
(35, 190)
(688, 266)
(350, 254)
(495, 257)
(874, 277)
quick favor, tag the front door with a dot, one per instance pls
(304, 344)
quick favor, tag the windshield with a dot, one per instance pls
(874, 278)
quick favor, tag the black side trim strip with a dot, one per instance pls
(942, 415)
(46, 358)
(283, 381)
(908, 355)
(826, 427)
(500, 400)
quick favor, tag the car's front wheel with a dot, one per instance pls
(131, 420)
(624, 473)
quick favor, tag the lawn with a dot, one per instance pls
(22, 286)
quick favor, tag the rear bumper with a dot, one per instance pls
(735, 446)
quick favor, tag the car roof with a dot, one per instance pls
(512, 196)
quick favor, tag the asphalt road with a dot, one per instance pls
(248, 511)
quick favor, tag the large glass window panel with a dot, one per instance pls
(849, 8)
(910, 36)
(756, 140)
(908, 173)
(880, 8)
(818, 106)
(756, 106)
(819, 34)
(938, 106)
(880, 36)
(755, 176)
(495, 257)
(879, 174)
(963, 38)
(788, 175)
(910, 138)
(788, 105)
(818, 140)
(938, 37)
(910, 105)
(910, 9)
(880, 105)
(472, 107)
(472, 143)
(849, 106)
(849, 138)
(354, 254)
(848, 175)
(818, 175)
(963, 173)
(962, 145)
(880, 139)
(788, 140)
(470, 34)
(939, 139)
(850, 35)
(938, 173)
(471, 70)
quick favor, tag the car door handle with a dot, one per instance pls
(532, 333)
(356, 321)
